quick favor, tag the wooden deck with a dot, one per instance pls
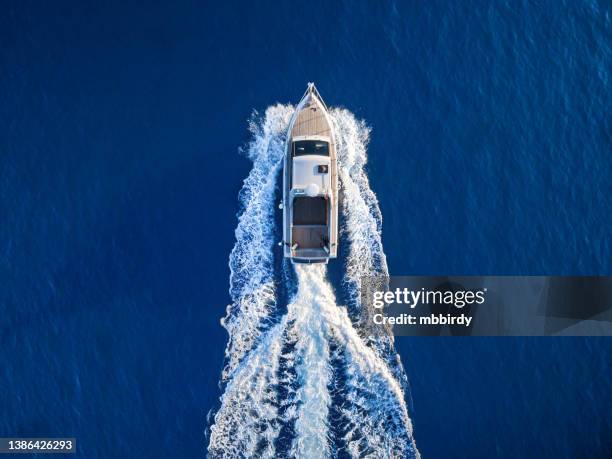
(309, 236)
(311, 120)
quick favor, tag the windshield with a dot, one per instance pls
(310, 147)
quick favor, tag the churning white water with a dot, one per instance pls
(284, 375)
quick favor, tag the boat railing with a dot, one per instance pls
(312, 89)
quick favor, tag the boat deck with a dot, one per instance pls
(309, 211)
(310, 236)
(311, 120)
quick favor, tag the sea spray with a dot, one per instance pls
(363, 228)
(251, 260)
(277, 399)
(247, 422)
(373, 398)
(313, 369)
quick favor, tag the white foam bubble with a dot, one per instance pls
(363, 227)
(313, 367)
(251, 261)
(374, 398)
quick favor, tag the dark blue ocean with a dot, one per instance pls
(120, 125)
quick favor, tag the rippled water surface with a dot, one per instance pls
(120, 129)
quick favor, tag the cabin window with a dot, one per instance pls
(309, 211)
(310, 147)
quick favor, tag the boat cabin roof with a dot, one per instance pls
(311, 169)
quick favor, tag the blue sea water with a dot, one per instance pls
(119, 172)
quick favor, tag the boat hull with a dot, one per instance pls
(310, 184)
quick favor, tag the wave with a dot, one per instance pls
(363, 228)
(252, 287)
(287, 374)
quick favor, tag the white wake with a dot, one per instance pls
(251, 261)
(287, 375)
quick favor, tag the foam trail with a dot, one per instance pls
(313, 370)
(279, 371)
(366, 257)
(246, 424)
(374, 398)
(251, 261)
(247, 421)
(363, 227)
(360, 208)
(381, 424)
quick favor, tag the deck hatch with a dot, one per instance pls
(309, 211)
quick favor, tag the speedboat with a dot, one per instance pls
(310, 183)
